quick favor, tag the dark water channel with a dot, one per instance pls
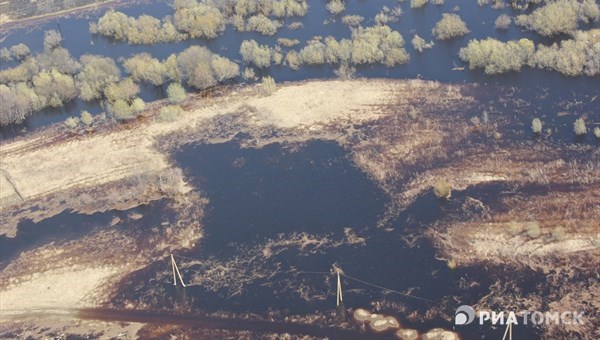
(267, 197)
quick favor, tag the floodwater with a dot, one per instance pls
(547, 91)
(280, 217)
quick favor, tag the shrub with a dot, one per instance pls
(378, 44)
(417, 3)
(442, 190)
(559, 17)
(263, 25)
(138, 105)
(579, 127)
(572, 57)
(450, 26)
(72, 122)
(293, 60)
(288, 42)
(142, 67)
(20, 51)
(125, 89)
(338, 51)
(169, 113)
(497, 57)
(336, 6)
(200, 21)
(597, 132)
(532, 230)
(143, 30)
(97, 73)
(121, 110)
(52, 40)
(255, 54)
(313, 53)
(249, 74)
(202, 68)
(5, 54)
(268, 85)
(86, 118)
(176, 93)
(558, 234)
(536, 125)
(54, 88)
(419, 44)
(295, 26)
(352, 20)
(502, 22)
(345, 71)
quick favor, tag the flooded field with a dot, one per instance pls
(423, 187)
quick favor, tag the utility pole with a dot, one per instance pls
(508, 332)
(339, 297)
(176, 270)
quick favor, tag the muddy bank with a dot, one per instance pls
(405, 135)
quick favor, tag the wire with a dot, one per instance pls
(386, 289)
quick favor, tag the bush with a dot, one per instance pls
(579, 127)
(143, 30)
(597, 132)
(58, 58)
(169, 113)
(532, 230)
(125, 89)
(338, 51)
(572, 57)
(559, 17)
(52, 40)
(5, 54)
(558, 234)
(54, 88)
(263, 25)
(313, 53)
(20, 51)
(417, 3)
(268, 85)
(442, 190)
(419, 44)
(497, 57)
(293, 60)
(287, 42)
(254, 54)
(176, 93)
(502, 22)
(97, 73)
(450, 26)
(295, 26)
(72, 122)
(200, 21)
(378, 44)
(352, 20)
(86, 118)
(249, 74)
(202, 68)
(536, 125)
(142, 67)
(336, 6)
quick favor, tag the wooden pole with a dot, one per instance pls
(173, 268)
(176, 269)
(339, 297)
(508, 332)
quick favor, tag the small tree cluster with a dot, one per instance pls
(419, 44)
(199, 20)
(262, 24)
(560, 17)
(143, 30)
(255, 54)
(336, 6)
(497, 57)
(572, 57)
(97, 73)
(450, 26)
(202, 69)
(418, 3)
(352, 20)
(502, 22)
